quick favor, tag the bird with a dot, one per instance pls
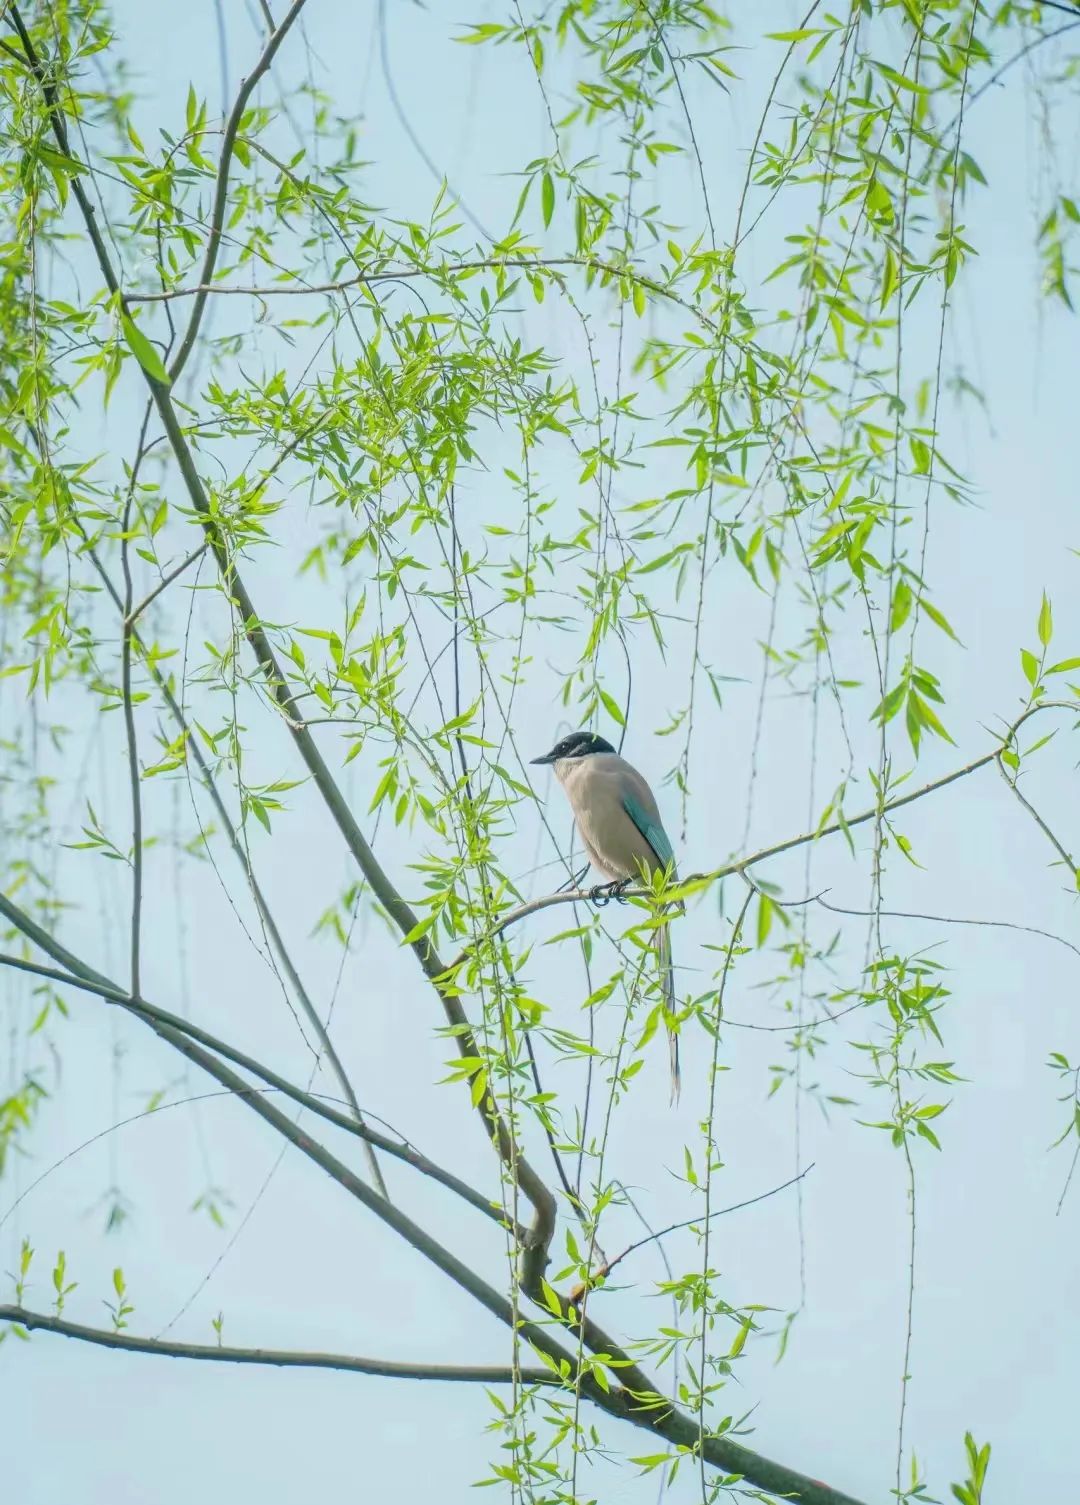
(619, 823)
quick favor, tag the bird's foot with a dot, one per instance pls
(603, 893)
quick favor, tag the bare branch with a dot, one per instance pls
(480, 1374)
(1062, 852)
(165, 581)
(410, 272)
(606, 1268)
(149, 1013)
(945, 919)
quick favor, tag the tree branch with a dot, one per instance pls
(578, 895)
(635, 1399)
(163, 584)
(411, 272)
(1062, 852)
(150, 1013)
(482, 1374)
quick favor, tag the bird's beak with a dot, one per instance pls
(547, 758)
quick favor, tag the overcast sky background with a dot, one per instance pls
(997, 1316)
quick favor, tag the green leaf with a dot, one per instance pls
(143, 351)
(1046, 621)
(547, 198)
(1030, 665)
(927, 717)
(611, 705)
(478, 1087)
(920, 455)
(938, 619)
(551, 1298)
(901, 606)
(764, 919)
(740, 1339)
(258, 809)
(889, 277)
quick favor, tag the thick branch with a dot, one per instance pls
(634, 1399)
(150, 1013)
(482, 1374)
(179, 1036)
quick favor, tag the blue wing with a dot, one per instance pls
(652, 830)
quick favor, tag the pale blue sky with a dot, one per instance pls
(997, 1317)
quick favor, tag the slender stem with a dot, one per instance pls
(481, 1374)
(719, 1212)
(131, 736)
(163, 584)
(1062, 852)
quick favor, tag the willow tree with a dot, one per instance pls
(338, 475)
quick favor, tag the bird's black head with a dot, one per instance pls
(576, 745)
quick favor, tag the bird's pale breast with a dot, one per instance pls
(596, 787)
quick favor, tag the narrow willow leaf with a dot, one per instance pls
(547, 198)
(1046, 622)
(143, 351)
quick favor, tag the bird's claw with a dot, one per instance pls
(603, 893)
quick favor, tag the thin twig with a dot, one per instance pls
(944, 919)
(606, 1268)
(410, 272)
(221, 187)
(1043, 827)
(266, 918)
(131, 736)
(163, 584)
